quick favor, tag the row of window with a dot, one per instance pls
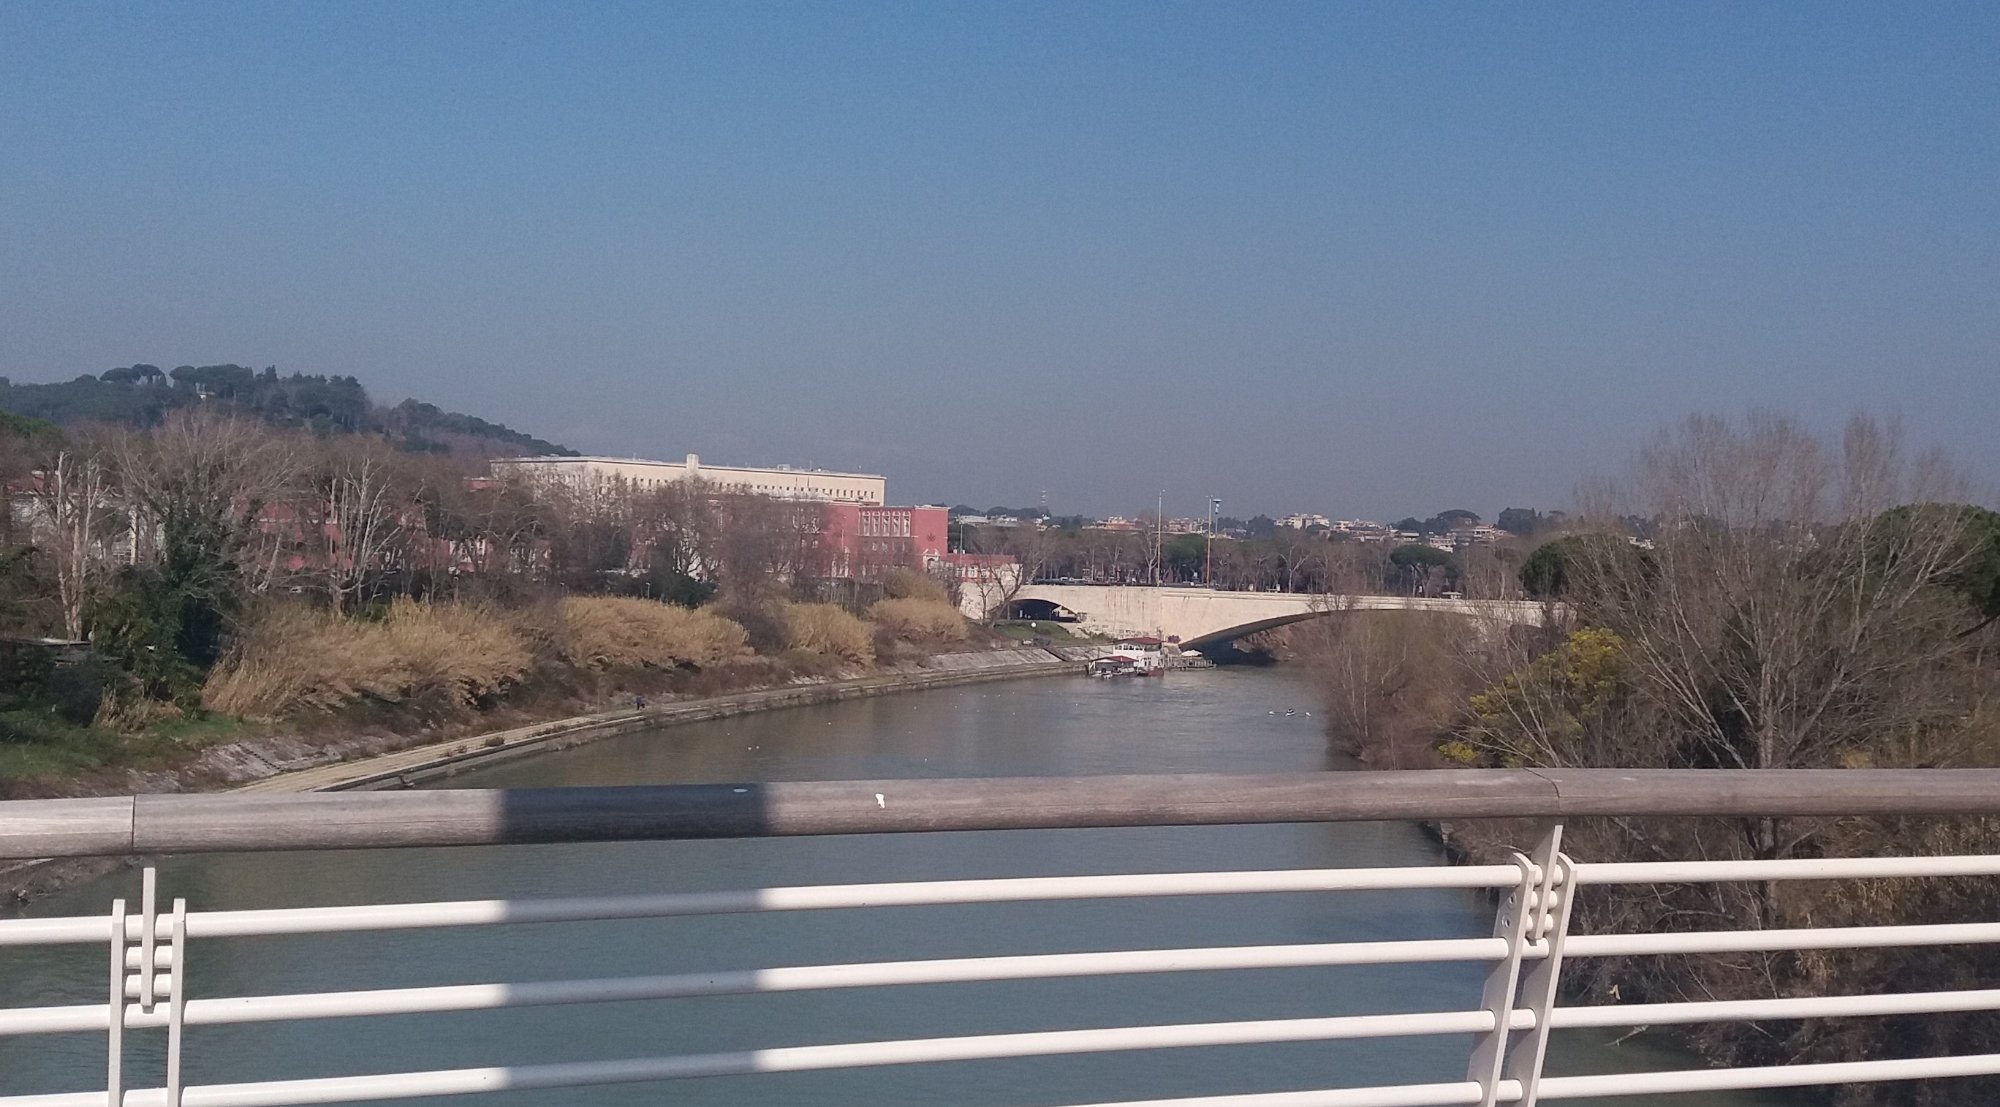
(765, 489)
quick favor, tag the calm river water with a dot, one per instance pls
(1224, 720)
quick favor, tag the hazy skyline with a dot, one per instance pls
(1370, 260)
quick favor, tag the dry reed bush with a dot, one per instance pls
(617, 632)
(909, 584)
(292, 659)
(829, 631)
(470, 653)
(933, 622)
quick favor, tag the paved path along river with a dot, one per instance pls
(1223, 720)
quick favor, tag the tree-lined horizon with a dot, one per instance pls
(142, 395)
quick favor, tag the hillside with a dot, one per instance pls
(140, 395)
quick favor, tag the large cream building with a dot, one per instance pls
(783, 482)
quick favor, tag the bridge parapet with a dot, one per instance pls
(1201, 616)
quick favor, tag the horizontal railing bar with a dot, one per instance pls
(196, 823)
(479, 997)
(1044, 1043)
(55, 932)
(489, 912)
(218, 924)
(1796, 1007)
(1769, 1076)
(1405, 1095)
(225, 924)
(1822, 868)
(1747, 941)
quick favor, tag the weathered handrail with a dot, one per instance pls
(164, 824)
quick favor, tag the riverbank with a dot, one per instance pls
(417, 765)
(1193, 722)
(290, 765)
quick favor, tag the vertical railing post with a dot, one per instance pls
(149, 925)
(114, 1041)
(1523, 920)
(1489, 1048)
(1527, 1051)
(176, 1001)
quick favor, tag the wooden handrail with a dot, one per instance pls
(180, 823)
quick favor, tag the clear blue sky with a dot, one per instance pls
(1376, 259)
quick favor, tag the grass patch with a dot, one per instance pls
(37, 745)
(1025, 630)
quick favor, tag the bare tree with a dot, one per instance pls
(1300, 559)
(675, 528)
(994, 587)
(1797, 608)
(1775, 622)
(71, 496)
(1390, 681)
(356, 504)
(204, 479)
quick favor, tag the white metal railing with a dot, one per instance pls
(152, 951)
(149, 960)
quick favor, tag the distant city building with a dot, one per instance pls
(860, 541)
(783, 482)
(1478, 535)
(1364, 530)
(1304, 521)
(1002, 522)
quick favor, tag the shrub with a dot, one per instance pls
(828, 630)
(76, 691)
(611, 632)
(909, 584)
(292, 659)
(135, 622)
(933, 622)
(761, 614)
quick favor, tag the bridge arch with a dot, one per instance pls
(1031, 607)
(1199, 617)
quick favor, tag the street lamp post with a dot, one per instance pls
(1208, 555)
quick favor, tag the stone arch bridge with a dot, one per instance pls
(1204, 617)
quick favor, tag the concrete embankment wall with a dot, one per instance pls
(419, 764)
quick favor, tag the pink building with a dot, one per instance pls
(862, 540)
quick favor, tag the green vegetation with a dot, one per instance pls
(1027, 630)
(1556, 568)
(143, 395)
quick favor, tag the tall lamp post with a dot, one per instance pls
(1208, 555)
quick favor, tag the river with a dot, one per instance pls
(1226, 720)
